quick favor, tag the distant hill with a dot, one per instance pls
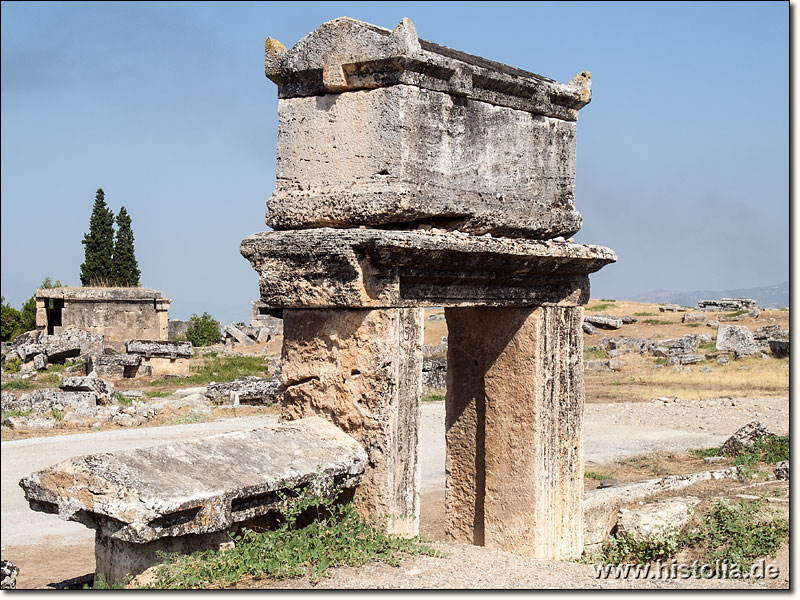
(773, 296)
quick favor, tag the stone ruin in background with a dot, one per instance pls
(413, 175)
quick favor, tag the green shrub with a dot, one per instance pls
(203, 331)
(221, 369)
(336, 535)
(12, 365)
(17, 413)
(597, 307)
(48, 379)
(124, 400)
(433, 398)
(657, 322)
(704, 452)
(709, 346)
(594, 353)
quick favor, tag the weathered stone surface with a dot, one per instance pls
(659, 518)
(46, 399)
(728, 304)
(782, 470)
(694, 317)
(779, 348)
(374, 268)
(201, 486)
(71, 342)
(737, 339)
(361, 369)
(601, 506)
(40, 362)
(103, 389)
(245, 390)
(116, 314)
(638, 344)
(514, 429)
(603, 321)
(115, 366)
(628, 320)
(239, 335)
(346, 54)
(672, 308)
(402, 155)
(690, 359)
(159, 348)
(589, 328)
(434, 374)
(177, 328)
(8, 575)
(762, 334)
(744, 438)
(603, 365)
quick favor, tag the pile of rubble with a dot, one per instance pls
(37, 350)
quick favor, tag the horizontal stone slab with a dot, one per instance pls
(159, 348)
(196, 487)
(373, 268)
(77, 294)
(346, 54)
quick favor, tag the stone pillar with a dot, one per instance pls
(361, 369)
(514, 429)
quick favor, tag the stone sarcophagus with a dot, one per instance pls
(412, 175)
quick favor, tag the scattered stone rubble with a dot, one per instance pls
(192, 495)
(672, 308)
(434, 374)
(71, 343)
(728, 304)
(8, 575)
(744, 438)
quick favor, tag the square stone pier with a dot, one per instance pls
(413, 175)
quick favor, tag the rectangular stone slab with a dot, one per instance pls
(372, 268)
(196, 487)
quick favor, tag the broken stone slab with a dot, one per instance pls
(245, 390)
(672, 308)
(115, 366)
(762, 334)
(238, 335)
(690, 358)
(603, 321)
(603, 365)
(744, 438)
(779, 348)
(588, 328)
(659, 518)
(199, 487)
(728, 304)
(47, 399)
(372, 268)
(31, 422)
(782, 470)
(601, 506)
(132, 394)
(736, 339)
(159, 348)
(638, 344)
(628, 320)
(103, 389)
(40, 362)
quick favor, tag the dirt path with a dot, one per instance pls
(49, 550)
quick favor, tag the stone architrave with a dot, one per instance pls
(514, 429)
(361, 369)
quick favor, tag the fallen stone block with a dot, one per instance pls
(762, 334)
(104, 389)
(694, 317)
(779, 348)
(47, 399)
(628, 320)
(782, 470)
(736, 339)
(159, 348)
(182, 393)
(40, 362)
(72, 342)
(132, 394)
(115, 366)
(31, 422)
(245, 390)
(728, 304)
(8, 575)
(603, 321)
(744, 438)
(690, 359)
(589, 328)
(238, 335)
(434, 374)
(672, 308)
(601, 506)
(659, 518)
(205, 486)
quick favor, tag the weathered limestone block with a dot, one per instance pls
(514, 423)
(659, 518)
(200, 487)
(239, 335)
(779, 348)
(744, 438)
(360, 369)
(736, 338)
(103, 389)
(728, 304)
(434, 373)
(370, 268)
(381, 128)
(159, 348)
(115, 366)
(245, 390)
(603, 321)
(72, 342)
(694, 317)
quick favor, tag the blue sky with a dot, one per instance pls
(683, 162)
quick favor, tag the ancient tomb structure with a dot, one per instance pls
(413, 175)
(119, 314)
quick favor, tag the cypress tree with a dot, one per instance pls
(99, 245)
(126, 269)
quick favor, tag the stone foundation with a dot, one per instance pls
(514, 422)
(361, 370)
